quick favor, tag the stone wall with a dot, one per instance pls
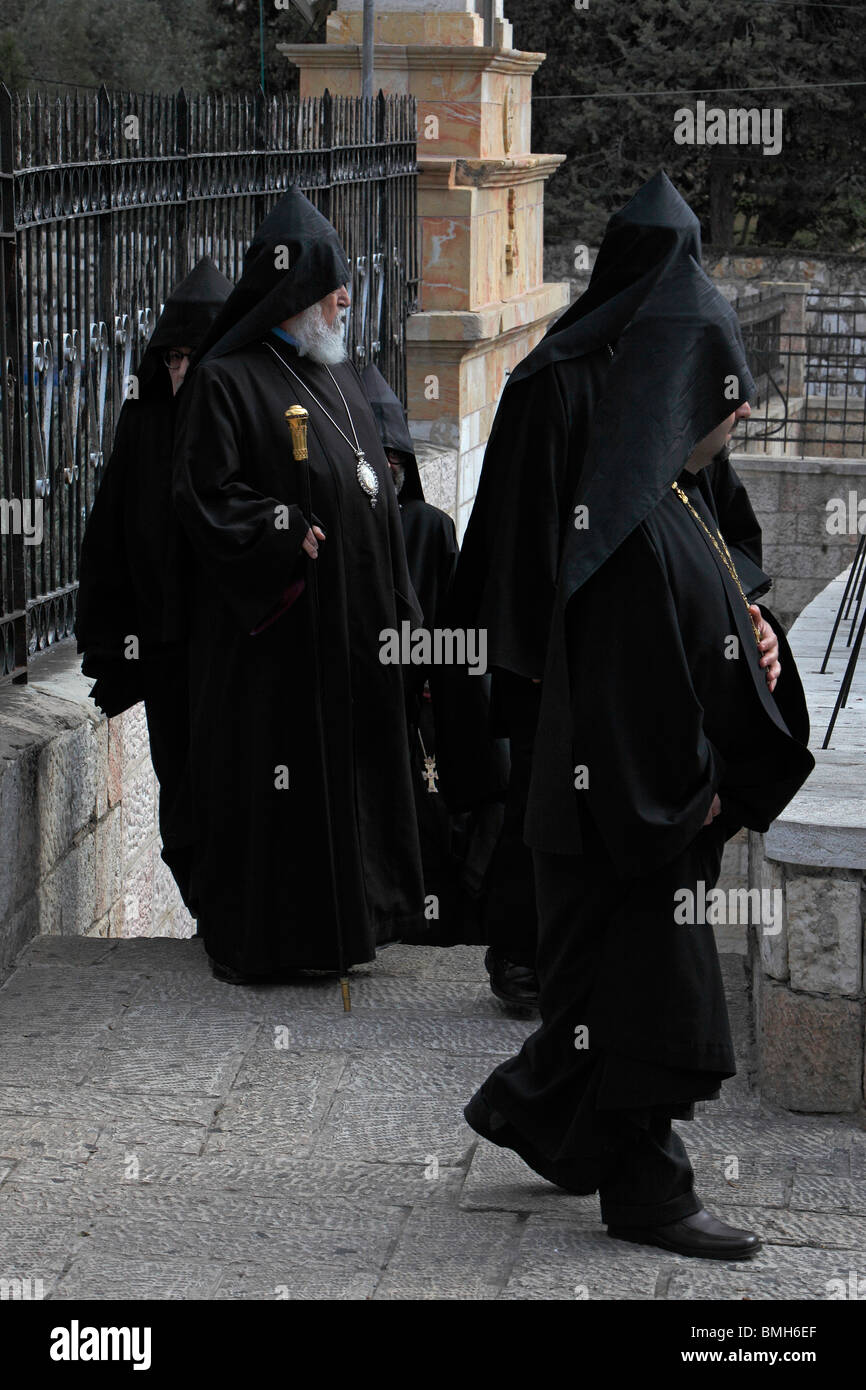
(78, 808)
(808, 985)
(790, 499)
(808, 976)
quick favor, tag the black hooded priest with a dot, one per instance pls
(306, 848)
(658, 738)
(533, 465)
(448, 715)
(129, 620)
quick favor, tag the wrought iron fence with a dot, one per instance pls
(108, 200)
(808, 356)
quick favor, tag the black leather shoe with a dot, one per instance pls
(513, 984)
(496, 1129)
(228, 975)
(701, 1234)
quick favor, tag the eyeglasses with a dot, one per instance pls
(174, 357)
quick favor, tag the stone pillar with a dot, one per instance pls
(793, 330)
(484, 302)
(807, 980)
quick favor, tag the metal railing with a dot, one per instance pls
(108, 200)
(808, 356)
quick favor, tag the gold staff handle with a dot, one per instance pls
(296, 419)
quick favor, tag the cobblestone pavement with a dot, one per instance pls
(166, 1136)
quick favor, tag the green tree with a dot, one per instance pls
(12, 60)
(152, 45)
(809, 194)
(284, 25)
(141, 45)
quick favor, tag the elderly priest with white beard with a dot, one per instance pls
(306, 849)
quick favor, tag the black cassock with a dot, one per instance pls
(132, 564)
(448, 713)
(534, 468)
(665, 720)
(262, 869)
(648, 709)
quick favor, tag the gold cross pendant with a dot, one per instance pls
(430, 773)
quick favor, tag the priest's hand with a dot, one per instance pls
(769, 646)
(311, 541)
(715, 808)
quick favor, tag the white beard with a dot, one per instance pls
(317, 339)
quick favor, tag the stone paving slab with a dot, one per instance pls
(403, 1107)
(284, 1074)
(41, 1061)
(117, 1277)
(23, 1136)
(102, 1105)
(101, 1184)
(382, 1031)
(281, 1283)
(819, 1230)
(451, 1255)
(336, 1233)
(283, 1117)
(134, 1070)
(829, 1194)
(785, 1273)
(165, 1135)
(60, 987)
(280, 1003)
(428, 962)
(819, 1146)
(32, 1244)
(401, 1129)
(407, 1071)
(68, 951)
(564, 1263)
(858, 1157)
(175, 1204)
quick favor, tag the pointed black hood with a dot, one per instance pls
(268, 291)
(393, 428)
(187, 315)
(679, 369)
(653, 232)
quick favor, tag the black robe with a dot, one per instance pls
(270, 881)
(653, 701)
(131, 567)
(449, 718)
(536, 459)
(536, 465)
(533, 462)
(666, 721)
(449, 713)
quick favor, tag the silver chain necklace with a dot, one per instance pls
(365, 473)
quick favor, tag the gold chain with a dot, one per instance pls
(725, 554)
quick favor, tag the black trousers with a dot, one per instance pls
(634, 1030)
(511, 915)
